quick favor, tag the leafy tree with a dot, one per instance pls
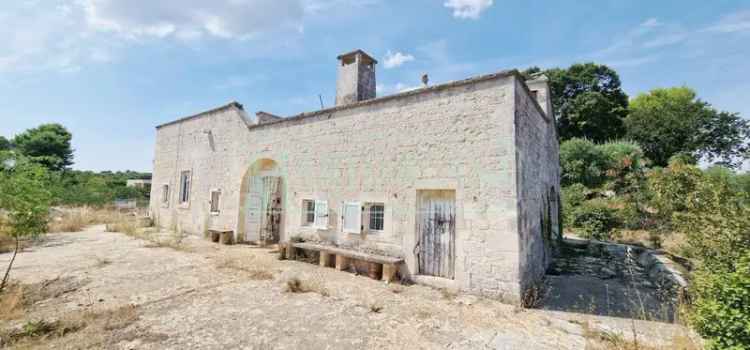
(4, 144)
(588, 101)
(48, 145)
(25, 199)
(673, 121)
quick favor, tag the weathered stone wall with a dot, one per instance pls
(459, 137)
(537, 154)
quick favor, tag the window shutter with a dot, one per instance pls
(321, 214)
(352, 217)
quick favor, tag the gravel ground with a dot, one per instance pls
(206, 296)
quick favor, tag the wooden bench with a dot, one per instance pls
(387, 265)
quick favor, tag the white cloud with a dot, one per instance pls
(393, 60)
(470, 9)
(186, 19)
(732, 23)
(68, 35)
(651, 22)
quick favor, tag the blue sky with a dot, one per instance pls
(111, 70)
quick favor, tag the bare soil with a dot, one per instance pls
(135, 294)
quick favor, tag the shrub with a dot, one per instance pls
(721, 309)
(594, 219)
(582, 162)
(572, 197)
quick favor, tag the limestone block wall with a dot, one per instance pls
(537, 152)
(459, 137)
(209, 146)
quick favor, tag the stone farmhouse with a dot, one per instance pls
(458, 183)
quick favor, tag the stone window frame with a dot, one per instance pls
(214, 205)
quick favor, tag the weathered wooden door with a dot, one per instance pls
(436, 232)
(271, 204)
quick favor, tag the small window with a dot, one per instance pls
(185, 186)
(165, 194)
(215, 198)
(308, 212)
(377, 215)
(534, 94)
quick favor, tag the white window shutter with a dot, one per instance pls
(352, 217)
(321, 214)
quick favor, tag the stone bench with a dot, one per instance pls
(387, 265)
(222, 236)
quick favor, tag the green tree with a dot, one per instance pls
(4, 144)
(588, 101)
(673, 121)
(48, 145)
(25, 199)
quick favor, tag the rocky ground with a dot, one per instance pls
(137, 294)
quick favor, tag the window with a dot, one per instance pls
(308, 212)
(377, 215)
(165, 194)
(315, 213)
(351, 217)
(185, 186)
(215, 197)
(534, 94)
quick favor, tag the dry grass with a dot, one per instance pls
(603, 340)
(76, 219)
(254, 269)
(313, 285)
(93, 328)
(12, 302)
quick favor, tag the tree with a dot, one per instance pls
(48, 145)
(588, 101)
(4, 144)
(25, 199)
(674, 122)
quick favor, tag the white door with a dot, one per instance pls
(254, 210)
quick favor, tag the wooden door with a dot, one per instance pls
(254, 207)
(271, 206)
(436, 232)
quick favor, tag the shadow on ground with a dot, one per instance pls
(586, 279)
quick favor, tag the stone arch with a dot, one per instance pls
(262, 193)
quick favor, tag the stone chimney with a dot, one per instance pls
(356, 78)
(539, 86)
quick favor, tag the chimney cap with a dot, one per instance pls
(356, 52)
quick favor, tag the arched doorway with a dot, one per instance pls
(262, 207)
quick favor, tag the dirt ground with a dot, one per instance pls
(200, 295)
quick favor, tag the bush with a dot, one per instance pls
(572, 197)
(721, 309)
(594, 219)
(582, 162)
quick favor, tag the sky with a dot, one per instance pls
(111, 70)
